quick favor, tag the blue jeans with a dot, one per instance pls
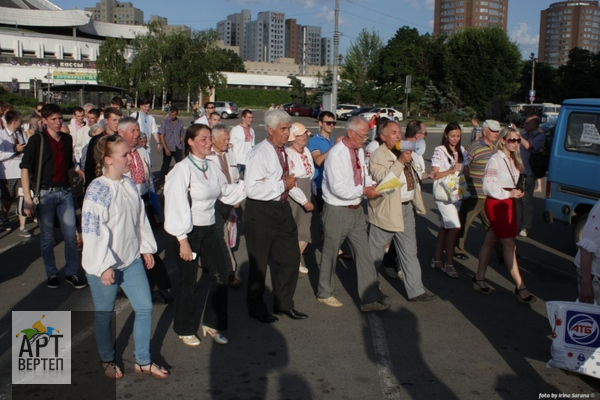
(60, 204)
(134, 283)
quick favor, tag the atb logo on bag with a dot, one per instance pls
(583, 329)
(41, 347)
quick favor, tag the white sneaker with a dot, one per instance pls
(303, 269)
(330, 301)
(24, 233)
(523, 233)
(191, 340)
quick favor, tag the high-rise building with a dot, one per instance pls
(116, 12)
(293, 35)
(566, 25)
(274, 34)
(326, 51)
(456, 15)
(255, 42)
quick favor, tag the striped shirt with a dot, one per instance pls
(479, 154)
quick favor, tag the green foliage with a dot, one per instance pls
(448, 117)
(254, 98)
(111, 64)
(228, 60)
(356, 74)
(545, 83)
(580, 76)
(484, 65)
(324, 85)
(19, 102)
(298, 92)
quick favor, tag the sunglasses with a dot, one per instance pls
(38, 109)
(209, 107)
(330, 123)
(514, 140)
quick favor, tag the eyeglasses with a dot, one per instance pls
(362, 137)
(209, 107)
(330, 123)
(514, 140)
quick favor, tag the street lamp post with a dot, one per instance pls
(532, 92)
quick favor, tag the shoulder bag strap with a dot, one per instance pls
(510, 172)
(39, 168)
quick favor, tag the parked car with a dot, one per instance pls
(344, 108)
(398, 116)
(354, 112)
(227, 109)
(297, 110)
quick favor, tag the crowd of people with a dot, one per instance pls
(287, 187)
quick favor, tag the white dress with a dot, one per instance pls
(448, 211)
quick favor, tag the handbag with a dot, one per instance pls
(35, 195)
(522, 184)
(451, 188)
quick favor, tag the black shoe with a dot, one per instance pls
(423, 297)
(461, 256)
(266, 318)
(76, 282)
(53, 282)
(161, 298)
(293, 314)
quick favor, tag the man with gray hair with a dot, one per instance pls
(345, 182)
(225, 160)
(269, 223)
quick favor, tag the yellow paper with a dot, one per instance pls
(389, 183)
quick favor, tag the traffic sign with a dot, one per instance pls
(531, 98)
(532, 93)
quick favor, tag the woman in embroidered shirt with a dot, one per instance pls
(499, 184)
(191, 190)
(116, 231)
(301, 165)
(448, 158)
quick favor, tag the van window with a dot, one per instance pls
(582, 133)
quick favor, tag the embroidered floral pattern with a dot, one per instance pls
(90, 223)
(99, 193)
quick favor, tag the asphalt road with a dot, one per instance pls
(462, 345)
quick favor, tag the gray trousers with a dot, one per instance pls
(340, 223)
(406, 248)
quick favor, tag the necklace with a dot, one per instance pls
(202, 168)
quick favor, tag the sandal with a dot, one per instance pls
(155, 370)
(528, 299)
(436, 264)
(111, 370)
(478, 286)
(450, 271)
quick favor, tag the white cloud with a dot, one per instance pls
(430, 4)
(521, 35)
(325, 14)
(307, 3)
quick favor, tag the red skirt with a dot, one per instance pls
(503, 217)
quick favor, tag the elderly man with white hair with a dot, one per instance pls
(269, 224)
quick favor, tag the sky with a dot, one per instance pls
(382, 16)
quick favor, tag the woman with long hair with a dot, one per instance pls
(448, 158)
(191, 191)
(118, 243)
(499, 184)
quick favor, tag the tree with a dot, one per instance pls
(111, 63)
(579, 76)
(325, 83)
(298, 93)
(358, 61)
(546, 83)
(483, 65)
(228, 60)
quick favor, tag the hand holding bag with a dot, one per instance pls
(452, 187)
(35, 195)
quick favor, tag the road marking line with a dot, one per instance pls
(389, 384)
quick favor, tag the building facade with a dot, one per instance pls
(457, 15)
(566, 25)
(274, 34)
(116, 12)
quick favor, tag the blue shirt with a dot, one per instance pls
(318, 142)
(536, 139)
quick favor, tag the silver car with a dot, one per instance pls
(226, 109)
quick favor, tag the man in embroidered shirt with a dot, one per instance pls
(270, 227)
(393, 216)
(479, 154)
(171, 137)
(55, 194)
(225, 160)
(345, 181)
(242, 140)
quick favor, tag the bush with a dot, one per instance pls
(448, 117)
(16, 100)
(255, 98)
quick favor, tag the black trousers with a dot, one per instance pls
(204, 241)
(271, 231)
(166, 164)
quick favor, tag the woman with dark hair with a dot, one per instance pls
(191, 190)
(448, 158)
(499, 184)
(116, 231)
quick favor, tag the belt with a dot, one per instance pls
(53, 188)
(353, 207)
(405, 202)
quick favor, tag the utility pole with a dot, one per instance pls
(532, 91)
(336, 43)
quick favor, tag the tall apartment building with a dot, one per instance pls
(255, 42)
(293, 34)
(274, 37)
(566, 25)
(311, 45)
(116, 12)
(456, 15)
(326, 51)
